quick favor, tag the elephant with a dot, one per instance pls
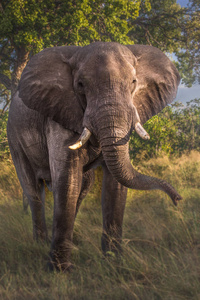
(75, 109)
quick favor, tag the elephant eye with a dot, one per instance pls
(80, 84)
(133, 86)
(80, 87)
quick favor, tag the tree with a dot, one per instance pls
(172, 28)
(4, 148)
(28, 26)
(20, 24)
(174, 131)
(189, 56)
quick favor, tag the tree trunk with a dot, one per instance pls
(22, 57)
(20, 63)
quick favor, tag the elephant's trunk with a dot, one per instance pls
(118, 163)
(114, 144)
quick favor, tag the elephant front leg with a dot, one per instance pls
(113, 205)
(66, 191)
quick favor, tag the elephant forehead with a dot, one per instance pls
(115, 60)
(108, 66)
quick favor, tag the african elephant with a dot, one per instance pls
(75, 109)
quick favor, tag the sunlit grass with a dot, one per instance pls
(161, 243)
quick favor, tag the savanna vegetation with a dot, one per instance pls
(161, 256)
(174, 131)
(161, 243)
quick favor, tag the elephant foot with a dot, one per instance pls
(56, 263)
(111, 247)
(65, 267)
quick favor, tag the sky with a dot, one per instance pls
(186, 94)
(182, 2)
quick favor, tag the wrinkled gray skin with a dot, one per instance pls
(102, 86)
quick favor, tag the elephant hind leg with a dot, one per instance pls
(34, 191)
(25, 202)
(37, 205)
(36, 199)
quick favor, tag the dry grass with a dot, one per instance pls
(161, 244)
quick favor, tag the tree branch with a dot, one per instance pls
(5, 80)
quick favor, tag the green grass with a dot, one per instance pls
(161, 243)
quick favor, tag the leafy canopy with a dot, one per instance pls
(36, 24)
(174, 131)
(28, 26)
(173, 29)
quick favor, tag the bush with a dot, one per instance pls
(4, 148)
(174, 131)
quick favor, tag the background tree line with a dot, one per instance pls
(28, 26)
(174, 131)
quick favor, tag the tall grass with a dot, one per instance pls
(161, 243)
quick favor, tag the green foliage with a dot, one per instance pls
(4, 149)
(38, 24)
(189, 58)
(173, 29)
(174, 131)
(89, 21)
(4, 97)
(158, 26)
(22, 23)
(28, 26)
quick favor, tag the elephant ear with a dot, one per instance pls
(157, 81)
(46, 86)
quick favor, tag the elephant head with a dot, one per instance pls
(106, 90)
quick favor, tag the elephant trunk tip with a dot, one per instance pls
(176, 198)
(168, 189)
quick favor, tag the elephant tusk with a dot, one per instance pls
(141, 131)
(85, 135)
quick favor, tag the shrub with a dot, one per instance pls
(174, 131)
